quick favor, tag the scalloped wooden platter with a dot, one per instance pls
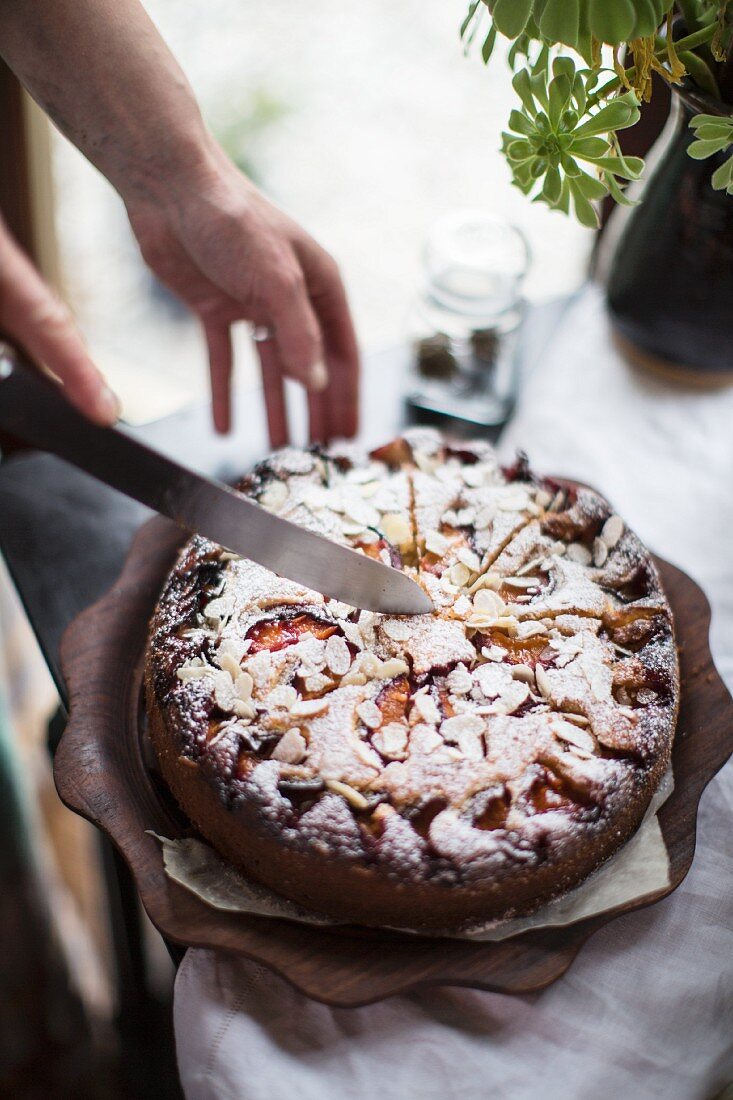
(102, 773)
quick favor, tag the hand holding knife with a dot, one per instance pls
(34, 409)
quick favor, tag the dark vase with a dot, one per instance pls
(670, 283)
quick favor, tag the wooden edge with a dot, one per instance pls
(79, 656)
(390, 963)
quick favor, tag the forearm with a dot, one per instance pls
(102, 72)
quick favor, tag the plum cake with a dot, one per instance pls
(430, 771)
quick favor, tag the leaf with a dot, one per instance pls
(612, 21)
(469, 17)
(584, 210)
(628, 168)
(560, 21)
(488, 47)
(647, 18)
(700, 72)
(701, 150)
(519, 151)
(523, 175)
(522, 87)
(520, 123)
(552, 186)
(589, 147)
(617, 194)
(542, 63)
(559, 98)
(570, 166)
(616, 115)
(524, 187)
(520, 48)
(563, 203)
(705, 120)
(722, 177)
(579, 93)
(538, 84)
(591, 187)
(564, 66)
(712, 133)
(510, 16)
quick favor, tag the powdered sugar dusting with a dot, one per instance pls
(543, 680)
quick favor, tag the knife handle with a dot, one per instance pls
(33, 408)
(27, 399)
(9, 356)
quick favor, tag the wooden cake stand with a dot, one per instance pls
(102, 773)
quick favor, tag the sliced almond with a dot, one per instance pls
(427, 708)
(459, 680)
(388, 670)
(425, 739)
(578, 553)
(370, 665)
(459, 574)
(192, 671)
(338, 655)
(353, 678)
(568, 731)
(469, 558)
(309, 708)
(353, 797)
(391, 740)
(370, 714)
(489, 602)
(282, 697)
(612, 531)
(435, 543)
(600, 553)
(453, 728)
(524, 673)
(543, 681)
(274, 496)
(244, 709)
(291, 747)
(228, 664)
(243, 686)
(493, 653)
(396, 529)
(367, 755)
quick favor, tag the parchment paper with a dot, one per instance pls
(639, 869)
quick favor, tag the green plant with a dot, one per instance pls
(575, 95)
(240, 122)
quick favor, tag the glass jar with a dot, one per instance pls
(465, 323)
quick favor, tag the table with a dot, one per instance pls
(646, 1009)
(64, 537)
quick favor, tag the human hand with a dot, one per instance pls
(32, 315)
(232, 255)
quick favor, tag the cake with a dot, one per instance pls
(421, 772)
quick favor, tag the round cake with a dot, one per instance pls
(420, 772)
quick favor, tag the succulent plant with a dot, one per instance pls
(574, 94)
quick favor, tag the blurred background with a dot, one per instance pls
(364, 128)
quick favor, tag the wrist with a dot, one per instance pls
(168, 165)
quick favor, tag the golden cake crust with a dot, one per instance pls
(420, 772)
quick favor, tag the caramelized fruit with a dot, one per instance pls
(276, 634)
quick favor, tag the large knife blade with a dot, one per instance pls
(34, 410)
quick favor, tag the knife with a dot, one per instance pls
(34, 410)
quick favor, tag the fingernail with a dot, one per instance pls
(318, 378)
(111, 404)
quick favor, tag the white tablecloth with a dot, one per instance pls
(646, 1010)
